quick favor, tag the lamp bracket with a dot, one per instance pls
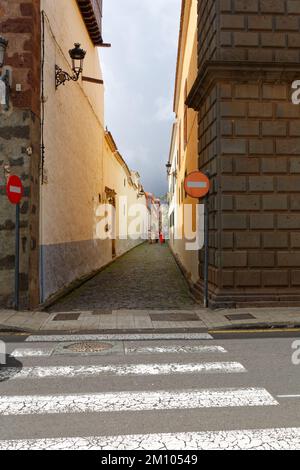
(61, 77)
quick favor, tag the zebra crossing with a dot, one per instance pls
(157, 399)
(265, 439)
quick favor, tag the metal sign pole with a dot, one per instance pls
(206, 251)
(197, 185)
(17, 260)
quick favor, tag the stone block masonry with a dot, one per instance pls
(20, 130)
(249, 141)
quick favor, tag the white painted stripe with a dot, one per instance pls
(117, 337)
(37, 352)
(135, 401)
(120, 370)
(288, 396)
(260, 439)
(196, 184)
(174, 349)
(15, 189)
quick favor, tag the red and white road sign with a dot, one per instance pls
(14, 189)
(197, 184)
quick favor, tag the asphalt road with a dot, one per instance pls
(227, 392)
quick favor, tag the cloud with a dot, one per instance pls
(139, 74)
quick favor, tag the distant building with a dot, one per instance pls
(154, 218)
(122, 189)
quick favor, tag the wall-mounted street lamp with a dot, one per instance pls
(5, 77)
(141, 194)
(3, 46)
(77, 55)
(169, 166)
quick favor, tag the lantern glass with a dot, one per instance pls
(3, 46)
(77, 55)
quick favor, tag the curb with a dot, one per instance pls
(257, 326)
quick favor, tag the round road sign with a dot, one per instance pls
(197, 184)
(14, 189)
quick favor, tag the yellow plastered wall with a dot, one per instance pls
(73, 161)
(73, 130)
(186, 76)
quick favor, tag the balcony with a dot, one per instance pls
(91, 11)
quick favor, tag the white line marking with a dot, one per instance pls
(117, 337)
(196, 184)
(174, 349)
(120, 370)
(261, 439)
(15, 189)
(288, 396)
(135, 401)
(38, 352)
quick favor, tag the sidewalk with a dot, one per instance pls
(149, 320)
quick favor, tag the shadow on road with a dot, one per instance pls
(11, 368)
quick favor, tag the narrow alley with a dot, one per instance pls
(149, 228)
(147, 277)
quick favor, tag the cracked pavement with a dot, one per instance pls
(180, 395)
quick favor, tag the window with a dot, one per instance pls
(172, 220)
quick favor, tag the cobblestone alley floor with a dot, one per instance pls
(145, 278)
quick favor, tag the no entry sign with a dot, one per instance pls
(14, 189)
(197, 184)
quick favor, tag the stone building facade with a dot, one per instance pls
(249, 141)
(20, 147)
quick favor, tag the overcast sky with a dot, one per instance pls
(139, 74)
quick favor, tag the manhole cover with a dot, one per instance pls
(88, 347)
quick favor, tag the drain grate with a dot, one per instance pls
(66, 317)
(174, 317)
(88, 347)
(237, 317)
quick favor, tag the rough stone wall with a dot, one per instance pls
(208, 159)
(249, 141)
(20, 130)
(259, 30)
(260, 188)
(207, 30)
